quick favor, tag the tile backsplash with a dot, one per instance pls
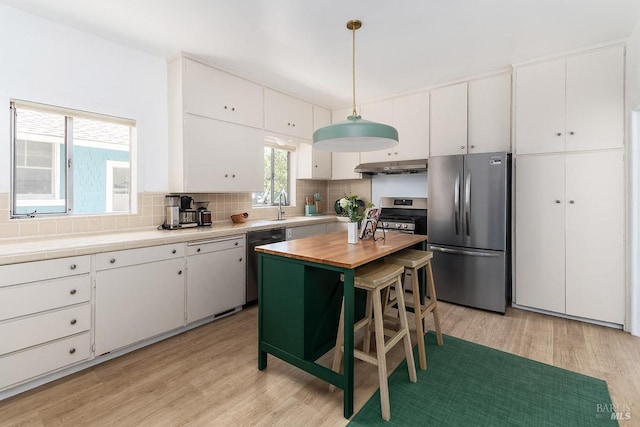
(151, 212)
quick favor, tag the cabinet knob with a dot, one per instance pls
(233, 176)
(316, 166)
(226, 175)
(225, 107)
(112, 260)
(289, 124)
(199, 249)
(240, 260)
(559, 134)
(73, 321)
(236, 243)
(233, 108)
(388, 154)
(173, 251)
(73, 350)
(72, 266)
(73, 291)
(558, 201)
(571, 201)
(473, 146)
(572, 133)
(462, 147)
(179, 272)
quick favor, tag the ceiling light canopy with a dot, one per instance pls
(355, 134)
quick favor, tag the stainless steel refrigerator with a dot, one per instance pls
(468, 223)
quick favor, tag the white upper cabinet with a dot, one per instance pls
(449, 120)
(571, 104)
(411, 120)
(312, 163)
(218, 95)
(222, 156)
(215, 130)
(287, 115)
(410, 116)
(343, 163)
(379, 112)
(490, 114)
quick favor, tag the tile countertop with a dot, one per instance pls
(36, 249)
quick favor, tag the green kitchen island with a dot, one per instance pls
(299, 297)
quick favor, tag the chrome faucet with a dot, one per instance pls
(280, 211)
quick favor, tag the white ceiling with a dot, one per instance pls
(303, 47)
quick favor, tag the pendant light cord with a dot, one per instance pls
(355, 114)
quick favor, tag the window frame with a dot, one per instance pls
(277, 143)
(67, 169)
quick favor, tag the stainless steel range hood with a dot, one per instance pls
(398, 167)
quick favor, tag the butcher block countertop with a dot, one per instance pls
(333, 249)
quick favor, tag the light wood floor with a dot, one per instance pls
(209, 376)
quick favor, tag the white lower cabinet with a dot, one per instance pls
(569, 241)
(215, 276)
(140, 293)
(45, 317)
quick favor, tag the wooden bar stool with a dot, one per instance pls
(374, 278)
(413, 260)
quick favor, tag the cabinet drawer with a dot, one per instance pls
(207, 246)
(14, 274)
(30, 331)
(24, 365)
(125, 258)
(21, 300)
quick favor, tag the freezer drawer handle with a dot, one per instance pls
(458, 252)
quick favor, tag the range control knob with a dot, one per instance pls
(405, 225)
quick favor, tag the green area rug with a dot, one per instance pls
(467, 384)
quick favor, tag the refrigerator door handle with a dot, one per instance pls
(460, 252)
(456, 204)
(467, 204)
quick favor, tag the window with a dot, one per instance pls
(277, 161)
(69, 162)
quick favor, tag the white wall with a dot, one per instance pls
(45, 62)
(633, 120)
(410, 185)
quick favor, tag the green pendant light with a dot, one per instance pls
(355, 134)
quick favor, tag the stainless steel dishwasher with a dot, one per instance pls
(257, 238)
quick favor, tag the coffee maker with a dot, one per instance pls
(188, 215)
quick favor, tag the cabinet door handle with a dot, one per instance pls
(559, 134)
(173, 251)
(462, 147)
(73, 321)
(73, 350)
(73, 291)
(112, 260)
(179, 272)
(72, 266)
